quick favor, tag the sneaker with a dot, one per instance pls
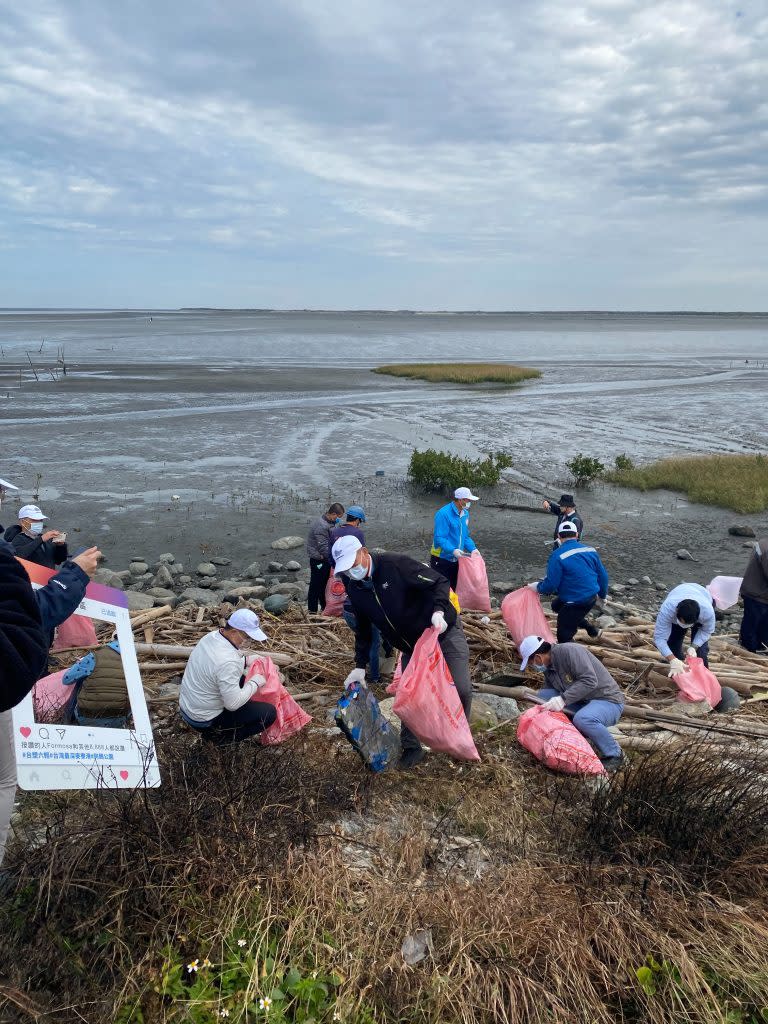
(613, 764)
(593, 631)
(411, 758)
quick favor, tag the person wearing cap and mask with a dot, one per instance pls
(402, 598)
(451, 539)
(578, 578)
(565, 510)
(215, 697)
(575, 680)
(351, 527)
(4, 488)
(687, 606)
(319, 554)
(31, 541)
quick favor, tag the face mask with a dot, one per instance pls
(684, 625)
(358, 572)
(540, 668)
(36, 529)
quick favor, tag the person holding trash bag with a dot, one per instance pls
(754, 593)
(565, 510)
(402, 598)
(451, 539)
(575, 680)
(687, 606)
(578, 578)
(319, 554)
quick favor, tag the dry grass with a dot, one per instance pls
(738, 482)
(461, 373)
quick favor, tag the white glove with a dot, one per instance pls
(439, 623)
(533, 586)
(458, 553)
(357, 675)
(691, 653)
(258, 680)
(676, 667)
(554, 704)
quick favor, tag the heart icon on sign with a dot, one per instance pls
(25, 730)
(123, 774)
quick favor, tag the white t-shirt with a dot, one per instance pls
(211, 681)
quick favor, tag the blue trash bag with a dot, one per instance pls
(360, 719)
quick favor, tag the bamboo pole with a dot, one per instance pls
(179, 651)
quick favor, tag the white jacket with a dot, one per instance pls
(667, 617)
(211, 681)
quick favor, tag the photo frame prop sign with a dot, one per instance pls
(54, 754)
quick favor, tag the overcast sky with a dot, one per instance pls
(350, 153)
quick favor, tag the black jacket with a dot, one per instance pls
(23, 646)
(399, 598)
(562, 517)
(60, 596)
(35, 549)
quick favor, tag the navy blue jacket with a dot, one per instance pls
(61, 595)
(575, 573)
(23, 646)
(35, 549)
(566, 517)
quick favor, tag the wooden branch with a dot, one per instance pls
(178, 651)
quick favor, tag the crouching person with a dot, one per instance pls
(574, 679)
(215, 697)
(101, 692)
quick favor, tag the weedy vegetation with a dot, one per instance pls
(441, 471)
(461, 373)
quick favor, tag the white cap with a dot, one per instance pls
(247, 622)
(344, 552)
(7, 486)
(529, 646)
(568, 527)
(31, 512)
(464, 494)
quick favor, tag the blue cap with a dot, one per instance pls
(356, 512)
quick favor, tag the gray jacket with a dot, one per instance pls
(577, 675)
(319, 540)
(755, 582)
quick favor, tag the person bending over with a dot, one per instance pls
(578, 578)
(688, 606)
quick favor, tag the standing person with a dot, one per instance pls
(31, 541)
(687, 606)
(565, 510)
(319, 554)
(351, 527)
(451, 539)
(577, 577)
(215, 698)
(402, 598)
(576, 680)
(754, 593)
(4, 488)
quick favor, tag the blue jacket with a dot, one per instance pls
(575, 573)
(451, 532)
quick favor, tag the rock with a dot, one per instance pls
(253, 570)
(200, 596)
(169, 690)
(206, 569)
(276, 604)
(647, 580)
(183, 580)
(162, 595)
(502, 588)
(505, 708)
(385, 707)
(138, 568)
(220, 560)
(176, 569)
(167, 558)
(684, 555)
(275, 567)
(163, 577)
(482, 716)
(287, 543)
(605, 621)
(124, 574)
(108, 578)
(290, 589)
(741, 531)
(660, 586)
(617, 588)
(632, 582)
(139, 602)
(244, 590)
(293, 566)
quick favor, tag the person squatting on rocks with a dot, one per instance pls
(451, 539)
(33, 542)
(565, 510)
(578, 578)
(101, 691)
(215, 698)
(687, 606)
(319, 554)
(754, 593)
(576, 680)
(402, 598)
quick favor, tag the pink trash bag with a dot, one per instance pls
(290, 716)
(50, 697)
(524, 616)
(335, 596)
(698, 683)
(76, 631)
(725, 590)
(557, 743)
(427, 701)
(472, 584)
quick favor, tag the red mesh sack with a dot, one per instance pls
(557, 743)
(524, 616)
(76, 631)
(698, 683)
(472, 584)
(335, 596)
(290, 716)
